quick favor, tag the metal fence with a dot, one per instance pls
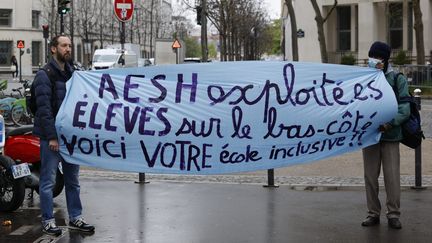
(417, 75)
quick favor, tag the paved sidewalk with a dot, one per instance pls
(9, 77)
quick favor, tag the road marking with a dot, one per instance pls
(22, 230)
(51, 239)
(45, 239)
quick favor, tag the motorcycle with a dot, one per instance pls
(20, 166)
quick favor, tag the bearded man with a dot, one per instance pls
(50, 89)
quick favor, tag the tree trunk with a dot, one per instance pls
(224, 33)
(204, 43)
(221, 47)
(320, 25)
(229, 33)
(418, 26)
(294, 39)
(240, 45)
(151, 28)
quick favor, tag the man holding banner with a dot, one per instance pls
(49, 90)
(386, 152)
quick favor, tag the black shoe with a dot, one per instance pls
(51, 229)
(394, 223)
(81, 225)
(370, 221)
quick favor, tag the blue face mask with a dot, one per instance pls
(372, 62)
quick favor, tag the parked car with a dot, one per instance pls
(113, 58)
(144, 62)
(194, 60)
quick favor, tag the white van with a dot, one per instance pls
(113, 58)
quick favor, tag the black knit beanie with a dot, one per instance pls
(380, 49)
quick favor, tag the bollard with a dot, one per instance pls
(417, 151)
(141, 179)
(270, 179)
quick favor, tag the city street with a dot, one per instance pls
(250, 119)
(124, 211)
(325, 197)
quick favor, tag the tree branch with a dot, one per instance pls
(331, 10)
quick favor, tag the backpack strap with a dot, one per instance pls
(52, 77)
(50, 73)
(394, 86)
(396, 91)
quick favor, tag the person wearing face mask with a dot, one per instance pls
(386, 152)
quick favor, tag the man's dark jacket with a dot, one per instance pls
(47, 101)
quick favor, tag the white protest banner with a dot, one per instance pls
(216, 118)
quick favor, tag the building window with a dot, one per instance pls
(35, 19)
(344, 28)
(36, 53)
(396, 25)
(5, 53)
(5, 17)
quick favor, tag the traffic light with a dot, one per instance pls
(63, 7)
(45, 29)
(199, 14)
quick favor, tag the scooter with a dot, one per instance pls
(12, 187)
(20, 166)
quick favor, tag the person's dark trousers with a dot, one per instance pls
(15, 72)
(387, 155)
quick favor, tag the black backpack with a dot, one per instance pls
(411, 129)
(31, 96)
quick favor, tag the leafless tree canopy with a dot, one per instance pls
(94, 22)
(243, 26)
(320, 20)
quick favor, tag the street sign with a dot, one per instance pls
(123, 9)
(176, 44)
(300, 33)
(20, 44)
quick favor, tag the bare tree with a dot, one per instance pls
(102, 22)
(242, 28)
(87, 24)
(293, 21)
(49, 15)
(163, 22)
(320, 20)
(418, 26)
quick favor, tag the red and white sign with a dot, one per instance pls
(20, 44)
(123, 9)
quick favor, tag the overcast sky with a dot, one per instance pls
(274, 7)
